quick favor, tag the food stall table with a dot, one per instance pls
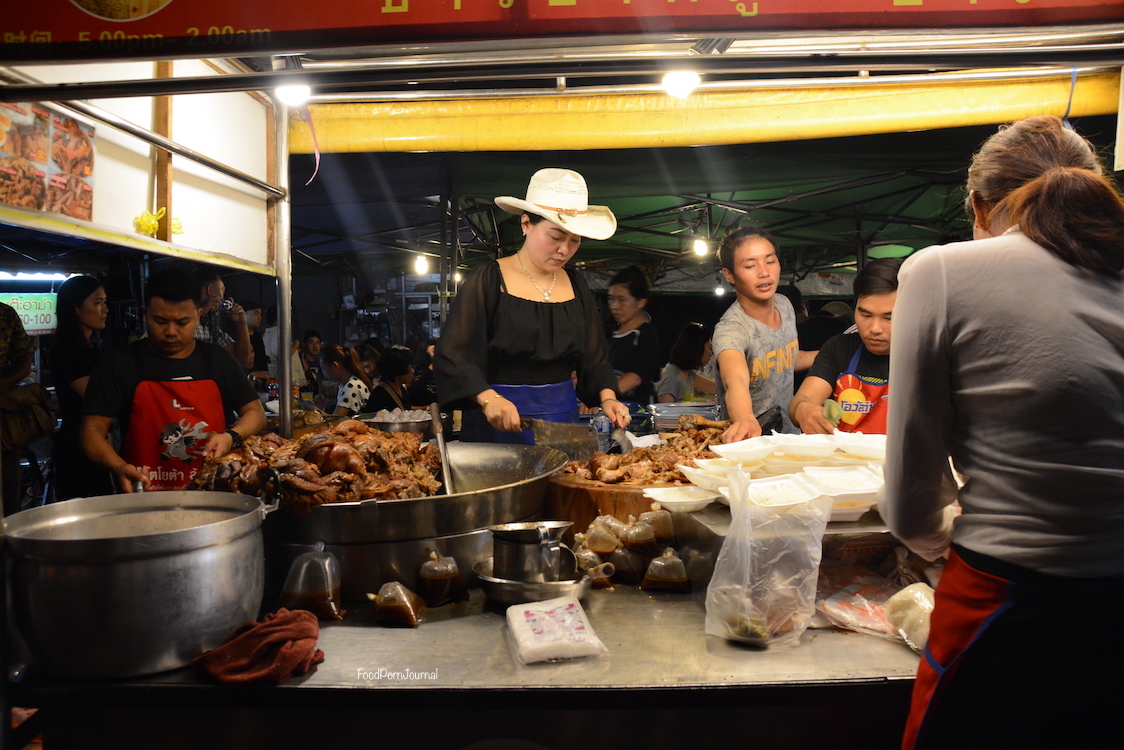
(453, 683)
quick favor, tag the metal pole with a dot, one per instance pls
(283, 264)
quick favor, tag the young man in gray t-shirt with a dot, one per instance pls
(755, 340)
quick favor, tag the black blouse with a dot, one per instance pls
(637, 351)
(491, 337)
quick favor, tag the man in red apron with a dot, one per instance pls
(171, 395)
(853, 369)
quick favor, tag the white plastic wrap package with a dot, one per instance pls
(764, 585)
(552, 630)
(909, 610)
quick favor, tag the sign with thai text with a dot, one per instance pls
(36, 310)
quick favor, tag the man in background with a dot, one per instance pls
(211, 294)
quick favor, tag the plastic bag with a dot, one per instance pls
(601, 540)
(552, 630)
(396, 605)
(612, 523)
(661, 523)
(440, 581)
(639, 537)
(764, 583)
(908, 611)
(860, 605)
(629, 566)
(667, 573)
(313, 584)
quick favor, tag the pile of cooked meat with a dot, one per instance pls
(345, 463)
(650, 465)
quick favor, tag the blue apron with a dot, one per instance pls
(554, 402)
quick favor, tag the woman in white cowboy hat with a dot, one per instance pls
(522, 325)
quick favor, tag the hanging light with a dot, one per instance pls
(700, 247)
(292, 94)
(680, 83)
(421, 265)
(295, 95)
(719, 290)
(457, 277)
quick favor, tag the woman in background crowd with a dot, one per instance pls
(423, 390)
(1028, 400)
(634, 349)
(342, 365)
(680, 379)
(397, 370)
(82, 308)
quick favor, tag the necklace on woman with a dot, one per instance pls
(544, 292)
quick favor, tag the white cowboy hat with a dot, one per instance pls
(560, 195)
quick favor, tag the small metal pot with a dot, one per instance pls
(126, 585)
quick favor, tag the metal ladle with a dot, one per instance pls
(439, 433)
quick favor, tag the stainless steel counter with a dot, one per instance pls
(664, 683)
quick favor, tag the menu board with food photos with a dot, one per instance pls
(46, 160)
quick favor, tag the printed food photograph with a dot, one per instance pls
(71, 149)
(22, 184)
(25, 133)
(70, 195)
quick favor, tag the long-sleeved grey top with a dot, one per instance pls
(1010, 361)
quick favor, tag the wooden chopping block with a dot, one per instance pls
(571, 498)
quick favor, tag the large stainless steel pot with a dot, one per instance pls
(125, 585)
(388, 540)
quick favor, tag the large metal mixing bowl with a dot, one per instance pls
(498, 483)
(388, 540)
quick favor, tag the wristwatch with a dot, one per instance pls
(238, 439)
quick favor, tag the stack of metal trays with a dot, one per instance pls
(666, 416)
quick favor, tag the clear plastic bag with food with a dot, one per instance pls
(313, 584)
(552, 630)
(440, 581)
(601, 540)
(397, 606)
(908, 612)
(661, 522)
(629, 566)
(612, 523)
(640, 537)
(763, 588)
(666, 573)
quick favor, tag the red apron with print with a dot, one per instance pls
(171, 422)
(865, 401)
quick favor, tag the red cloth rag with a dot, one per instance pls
(281, 645)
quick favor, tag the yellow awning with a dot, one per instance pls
(704, 118)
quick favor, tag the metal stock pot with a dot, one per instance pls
(126, 585)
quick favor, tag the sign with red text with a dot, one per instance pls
(59, 30)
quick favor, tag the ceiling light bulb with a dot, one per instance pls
(421, 265)
(457, 277)
(719, 290)
(700, 247)
(294, 96)
(680, 83)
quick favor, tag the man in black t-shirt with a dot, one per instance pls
(853, 369)
(171, 395)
